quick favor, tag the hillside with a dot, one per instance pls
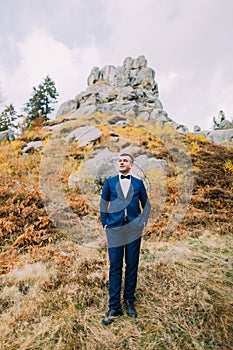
(54, 282)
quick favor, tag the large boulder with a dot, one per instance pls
(225, 124)
(84, 135)
(104, 164)
(218, 136)
(32, 146)
(7, 135)
(144, 79)
(67, 107)
(94, 76)
(107, 73)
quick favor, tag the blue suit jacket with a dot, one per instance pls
(113, 203)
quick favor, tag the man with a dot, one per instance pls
(122, 200)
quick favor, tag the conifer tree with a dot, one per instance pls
(40, 104)
(7, 118)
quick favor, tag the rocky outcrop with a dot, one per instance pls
(84, 135)
(225, 124)
(68, 107)
(129, 89)
(104, 164)
(223, 130)
(32, 146)
(7, 135)
(218, 136)
(221, 123)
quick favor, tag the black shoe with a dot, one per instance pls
(130, 309)
(110, 317)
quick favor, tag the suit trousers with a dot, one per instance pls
(131, 252)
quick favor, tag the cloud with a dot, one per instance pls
(187, 43)
(39, 55)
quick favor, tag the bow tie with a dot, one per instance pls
(125, 177)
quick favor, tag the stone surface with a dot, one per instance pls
(225, 124)
(104, 165)
(7, 135)
(33, 145)
(197, 128)
(67, 107)
(218, 136)
(84, 135)
(129, 89)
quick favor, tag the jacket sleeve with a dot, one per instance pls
(104, 203)
(145, 203)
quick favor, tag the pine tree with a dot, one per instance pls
(7, 118)
(39, 105)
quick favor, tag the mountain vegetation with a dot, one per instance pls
(7, 117)
(54, 285)
(40, 103)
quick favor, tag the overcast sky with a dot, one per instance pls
(189, 44)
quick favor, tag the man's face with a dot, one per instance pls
(124, 165)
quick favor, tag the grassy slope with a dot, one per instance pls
(54, 290)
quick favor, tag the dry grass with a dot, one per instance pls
(54, 292)
(184, 298)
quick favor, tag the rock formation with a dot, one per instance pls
(104, 164)
(7, 135)
(221, 123)
(129, 89)
(223, 130)
(218, 136)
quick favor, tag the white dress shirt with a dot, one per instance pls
(125, 185)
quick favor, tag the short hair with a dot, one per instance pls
(127, 155)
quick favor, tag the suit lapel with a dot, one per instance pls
(119, 189)
(131, 190)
